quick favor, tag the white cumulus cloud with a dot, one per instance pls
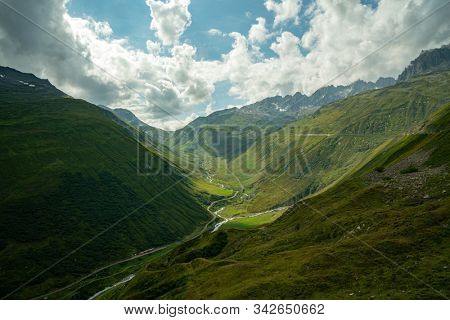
(170, 18)
(215, 32)
(284, 10)
(153, 47)
(209, 109)
(286, 46)
(341, 34)
(258, 32)
(88, 62)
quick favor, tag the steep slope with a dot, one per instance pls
(315, 151)
(129, 117)
(380, 233)
(428, 61)
(69, 171)
(150, 136)
(130, 121)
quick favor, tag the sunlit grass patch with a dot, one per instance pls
(254, 222)
(211, 188)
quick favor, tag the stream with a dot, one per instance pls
(127, 279)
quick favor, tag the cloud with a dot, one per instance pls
(90, 63)
(209, 109)
(26, 47)
(258, 32)
(153, 47)
(170, 124)
(344, 32)
(340, 34)
(215, 32)
(170, 18)
(95, 65)
(252, 79)
(286, 46)
(284, 10)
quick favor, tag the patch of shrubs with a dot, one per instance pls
(409, 170)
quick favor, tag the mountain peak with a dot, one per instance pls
(428, 61)
(385, 82)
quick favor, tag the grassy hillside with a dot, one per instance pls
(382, 232)
(69, 170)
(315, 151)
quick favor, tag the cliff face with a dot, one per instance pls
(428, 61)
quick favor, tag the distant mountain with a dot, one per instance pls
(428, 61)
(385, 82)
(129, 117)
(69, 170)
(300, 104)
(131, 120)
(104, 107)
(278, 111)
(271, 114)
(154, 137)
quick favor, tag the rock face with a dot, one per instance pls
(428, 61)
(385, 82)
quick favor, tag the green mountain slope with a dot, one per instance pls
(382, 232)
(318, 150)
(69, 171)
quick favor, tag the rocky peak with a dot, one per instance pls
(428, 61)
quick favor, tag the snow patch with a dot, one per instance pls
(2, 76)
(346, 92)
(31, 85)
(279, 108)
(24, 83)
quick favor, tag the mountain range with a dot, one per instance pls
(367, 219)
(368, 208)
(277, 111)
(271, 114)
(268, 115)
(339, 185)
(379, 233)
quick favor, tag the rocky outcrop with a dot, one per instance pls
(428, 61)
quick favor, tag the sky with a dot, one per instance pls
(170, 61)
